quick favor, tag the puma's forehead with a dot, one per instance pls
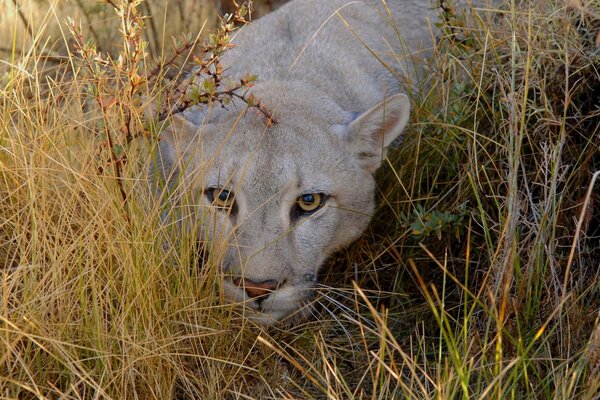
(271, 160)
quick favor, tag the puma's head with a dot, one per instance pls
(279, 200)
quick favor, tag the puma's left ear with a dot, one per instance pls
(374, 130)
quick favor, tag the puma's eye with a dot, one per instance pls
(220, 197)
(311, 202)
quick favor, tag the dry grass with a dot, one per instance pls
(478, 278)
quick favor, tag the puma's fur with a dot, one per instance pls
(337, 107)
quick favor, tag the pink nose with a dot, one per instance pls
(257, 289)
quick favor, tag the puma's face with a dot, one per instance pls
(277, 201)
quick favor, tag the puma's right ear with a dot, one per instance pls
(179, 132)
(175, 142)
(374, 130)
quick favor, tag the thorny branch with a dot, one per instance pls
(207, 83)
(116, 84)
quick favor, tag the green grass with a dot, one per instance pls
(477, 279)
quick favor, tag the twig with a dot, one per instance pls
(177, 51)
(155, 39)
(115, 161)
(89, 21)
(204, 85)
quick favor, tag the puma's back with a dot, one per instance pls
(278, 200)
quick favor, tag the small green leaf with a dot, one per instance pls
(209, 86)
(194, 95)
(118, 150)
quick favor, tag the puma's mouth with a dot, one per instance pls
(270, 307)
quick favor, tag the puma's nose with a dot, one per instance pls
(257, 289)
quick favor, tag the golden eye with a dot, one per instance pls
(310, 202)
(221, 198)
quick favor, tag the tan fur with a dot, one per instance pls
(337, 109)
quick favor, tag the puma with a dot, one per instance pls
(280, 199)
